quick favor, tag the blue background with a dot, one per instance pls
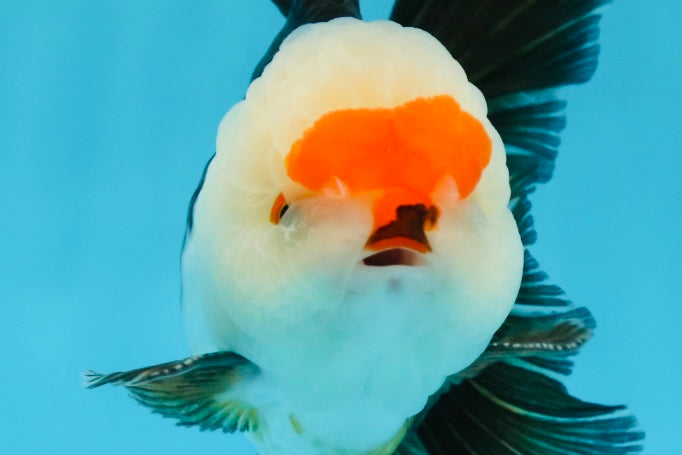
(108, 112)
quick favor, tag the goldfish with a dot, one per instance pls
(356, 270)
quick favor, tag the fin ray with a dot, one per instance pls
(194, 391)
(508, 410)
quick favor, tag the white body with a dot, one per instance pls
(348, 352)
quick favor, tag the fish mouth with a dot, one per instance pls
(394, 256)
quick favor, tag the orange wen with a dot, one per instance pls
(400, 153)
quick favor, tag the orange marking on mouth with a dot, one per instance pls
(402, 153)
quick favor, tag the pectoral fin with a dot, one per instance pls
(197, 391)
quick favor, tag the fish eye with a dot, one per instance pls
(279, 208)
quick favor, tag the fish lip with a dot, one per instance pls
(395, 257)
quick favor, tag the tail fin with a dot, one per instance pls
(518, 53)
(506, 410)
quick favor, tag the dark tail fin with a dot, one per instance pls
(507, 410)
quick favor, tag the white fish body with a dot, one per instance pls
(347, 352)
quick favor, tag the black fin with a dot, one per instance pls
(192, 202)
(538, 341)
(560, 333)
(529, 127)
(517, 52)
(283, 5)
(300, 12)
(195, 391)
(506, 410)
(320, 9)
(535, 291)
(545, 340)
(411, 445)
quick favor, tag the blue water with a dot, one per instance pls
(108, 111)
